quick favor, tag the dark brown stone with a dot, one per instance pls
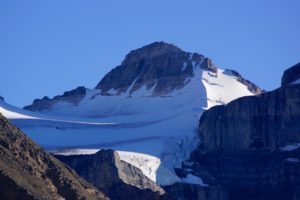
(118, 179)
(28, 172)
(158, 65)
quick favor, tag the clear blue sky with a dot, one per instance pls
(48, 47)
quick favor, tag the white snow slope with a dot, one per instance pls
(154, 133)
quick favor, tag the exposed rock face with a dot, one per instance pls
(254, 175)
(28, 172)
(72, 97)
(181, 191)
(266, 121)
(290, 75)
(243, 144)
(208, 190)
(118, 179)
(160, 65)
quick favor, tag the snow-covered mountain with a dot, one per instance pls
(147, 109)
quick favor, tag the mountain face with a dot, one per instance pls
(28, 172)
(118, 179)
(268, 121)
(147, 109)
(121, 180)
(159, 66)
(155, 70)
(251, 145)
(72, 97)
(291, 75)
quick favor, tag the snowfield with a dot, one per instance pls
(153, 133)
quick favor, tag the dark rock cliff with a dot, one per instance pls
(72, 97)
(265, 121)
(250, 145)
(118, 179)
(290, 75)
(181, 191)
(28, 172)
(159, 64)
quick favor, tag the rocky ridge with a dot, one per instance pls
(72, 97)
(251, 145)
(291, 75)
(118, 179)
(159, 68)
(28, 172)
(160, 65)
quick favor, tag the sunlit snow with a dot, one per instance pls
(153, 133)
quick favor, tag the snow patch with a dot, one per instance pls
(191, 56)
(12, 112)
(222, 88)
(183, 66)
(296, 81)
(69, 152)
(112, 91)
(146, 163)
(290, 147)
(295, 160)
(191, 179)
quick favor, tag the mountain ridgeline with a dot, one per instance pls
(28, 172)
(251, 145)
(246, 146)
(159, 67)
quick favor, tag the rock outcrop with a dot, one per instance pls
(291, 75)
(267, 121)
(254, 175)
(28, 172)
(250, 146)
(72, 97)
(118, 179)
(182, 191)
(160, 65)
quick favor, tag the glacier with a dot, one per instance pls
(153, 133)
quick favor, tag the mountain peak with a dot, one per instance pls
(158, 69)
(149, 51)
(159, 66)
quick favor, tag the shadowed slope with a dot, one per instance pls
(28, 172)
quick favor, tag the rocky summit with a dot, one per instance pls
(251, 145)
(158, 69)
(158, 65)
(28, 172)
